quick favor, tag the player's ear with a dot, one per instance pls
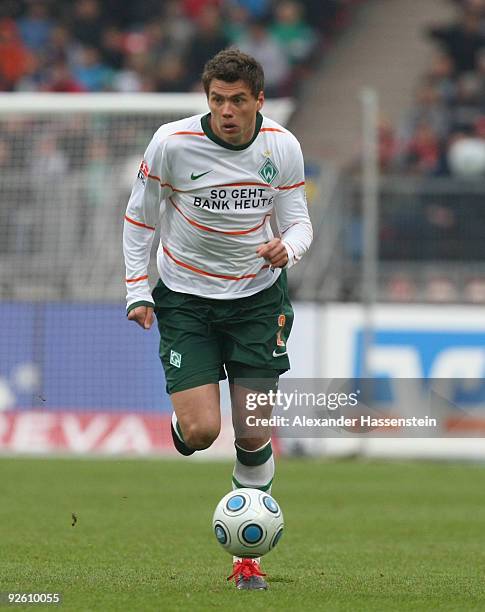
(260, 100)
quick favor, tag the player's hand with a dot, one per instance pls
(143, 315)
(274, 252)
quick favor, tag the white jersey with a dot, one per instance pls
(214, 202)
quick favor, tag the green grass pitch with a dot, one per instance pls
(359, 536)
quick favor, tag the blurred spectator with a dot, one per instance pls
(428, 109)
(134, 74)
(48, 161)
(136, 41)
(387, 145)
(441, 76)
(259, 43)
(208, 40)
(97, 168)
(172, 74)
(178, 30)
(112, 47)
(195, 8)
(10, 128)
(15, 59)
(296, 37)
(75, 139)
(422, 153)
(475, 290)
(155, 37)
(60, 46)
(441, 289)
(159, 43)
(33, 77)
(388, 149)
(60, 79)
(480, 72)
(401, 288)
(35, 27)
(13, 187)
(466, 105)
(256, 9)
(462, 40)
(87, 24)
(236, 23)
(48, 166)
(480, 127)
(91, 73)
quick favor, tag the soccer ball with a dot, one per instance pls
(248, 523)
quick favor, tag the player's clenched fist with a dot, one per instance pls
(274, 252)
(143, 315)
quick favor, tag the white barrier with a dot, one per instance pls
(409, 341)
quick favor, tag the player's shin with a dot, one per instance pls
(254, 469)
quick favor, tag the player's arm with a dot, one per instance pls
(140, 221)
(292, 216)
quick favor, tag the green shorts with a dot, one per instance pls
(201, 338)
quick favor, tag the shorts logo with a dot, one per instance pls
(279, 340)
(143, 172)
(268, 171)
(281, 324)
(175, 359)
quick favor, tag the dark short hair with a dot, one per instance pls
(230, 65)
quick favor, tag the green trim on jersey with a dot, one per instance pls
(205, 122)
(140, 303)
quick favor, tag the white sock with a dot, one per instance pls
(259, 476)
(254, 469)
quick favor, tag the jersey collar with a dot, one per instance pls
(212, 136)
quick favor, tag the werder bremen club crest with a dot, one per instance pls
(268, 171)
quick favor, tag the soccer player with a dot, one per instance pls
(213, 181)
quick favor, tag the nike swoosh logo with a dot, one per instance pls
(275, 354)
(194, 177)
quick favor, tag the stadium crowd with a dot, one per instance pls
(64, 178)
(157, 45)
(431, 244)
(449, 105)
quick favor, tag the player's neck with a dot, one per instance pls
(240, 139)
(208, 125)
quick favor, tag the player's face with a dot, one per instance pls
(233, 110)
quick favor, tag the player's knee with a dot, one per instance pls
(201, 436)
